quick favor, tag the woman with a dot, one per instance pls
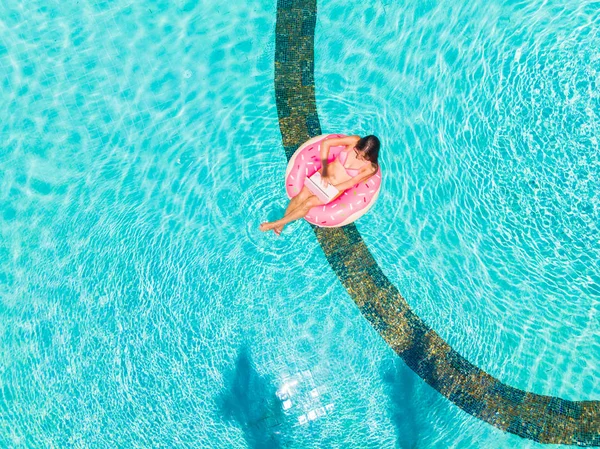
(356, 163)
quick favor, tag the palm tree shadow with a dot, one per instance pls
(250, 400)
(403, 404)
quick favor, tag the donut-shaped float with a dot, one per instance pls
(345, 209)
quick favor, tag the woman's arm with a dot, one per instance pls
(363, 175)
(327, 143)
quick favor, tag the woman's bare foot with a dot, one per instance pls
(266, 226)
(278, 230)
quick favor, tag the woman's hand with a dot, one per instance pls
(325, 180)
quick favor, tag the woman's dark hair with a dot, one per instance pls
(369, 146)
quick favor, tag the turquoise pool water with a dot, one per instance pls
(490, 229)
(140, 305)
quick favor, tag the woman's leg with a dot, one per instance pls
(293, 204)
(297, 213)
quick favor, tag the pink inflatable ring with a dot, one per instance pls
(345, 209)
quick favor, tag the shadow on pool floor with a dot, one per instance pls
(250, 400)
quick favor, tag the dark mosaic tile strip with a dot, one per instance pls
(540, 418)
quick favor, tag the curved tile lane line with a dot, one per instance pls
(545, 419)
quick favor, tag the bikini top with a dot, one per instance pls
(351, 171)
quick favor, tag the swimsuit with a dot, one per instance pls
(351, 171)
